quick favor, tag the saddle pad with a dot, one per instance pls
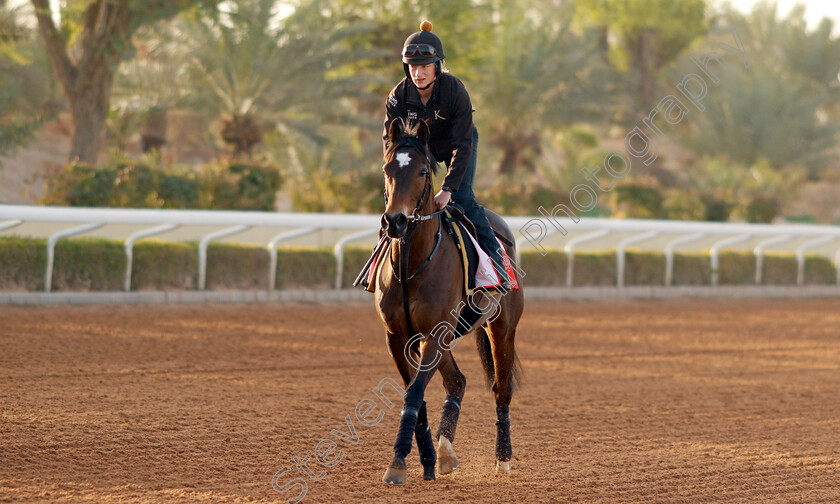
(479, 273)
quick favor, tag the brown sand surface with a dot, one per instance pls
(622, 402)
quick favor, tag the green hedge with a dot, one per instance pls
(305, 268)
(86, 264)
(162, 265)
(22, 263)
(89, 264)
(648, 268)
(218, 186)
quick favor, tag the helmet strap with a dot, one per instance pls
(427, 86)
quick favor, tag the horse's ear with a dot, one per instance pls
(395, 130)
(423, 133)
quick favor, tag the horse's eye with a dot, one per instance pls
(424, 172)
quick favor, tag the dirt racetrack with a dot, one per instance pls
(623, 402)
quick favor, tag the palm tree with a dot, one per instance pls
(539, 77)
(641, 38)
(259, 71)
(783, 107)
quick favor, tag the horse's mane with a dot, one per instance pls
(410, 137)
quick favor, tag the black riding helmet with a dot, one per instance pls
(422, 48)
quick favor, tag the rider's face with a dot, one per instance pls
(422, 75)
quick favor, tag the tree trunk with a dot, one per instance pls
(243, 133)
(645, 62)
(604, 44)
(154, 130)
(89, 103)
(509, 161)
(87, 79)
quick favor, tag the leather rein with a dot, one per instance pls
(401, 270)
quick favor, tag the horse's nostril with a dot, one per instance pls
(394, 224)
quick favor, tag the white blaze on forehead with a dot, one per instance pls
(403, 159)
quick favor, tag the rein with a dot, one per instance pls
(401, 271)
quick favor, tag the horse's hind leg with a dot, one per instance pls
(455, 384)
(501, 338)
(422, 431)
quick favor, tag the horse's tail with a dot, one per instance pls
(485, 353)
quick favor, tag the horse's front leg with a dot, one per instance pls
(422, 432)
(410, 419)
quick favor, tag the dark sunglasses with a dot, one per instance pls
(424, 50)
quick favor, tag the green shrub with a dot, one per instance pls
(22, 263)
(305, 268)
(162, 265)
(691, 269)
(179, 191)
(637, 201)
(736, 268)
(717, 210)
(87, 186)
(595, 268)
(84, 264)
(778, 269)
(256, 187)
(88, 264)
(644, 268)
(136, 185)
(763, 209)
(235, 266)
(819, 270)
(682, 205)
(543, 270)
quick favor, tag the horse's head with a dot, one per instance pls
(408, 175)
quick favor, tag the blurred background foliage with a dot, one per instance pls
(266, 104)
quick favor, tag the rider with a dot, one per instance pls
(429, 94)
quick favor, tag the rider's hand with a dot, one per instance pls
(442, 199)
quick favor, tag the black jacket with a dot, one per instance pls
(449, 116)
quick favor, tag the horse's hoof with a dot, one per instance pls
(502, 467)
(396, 474)
(447, 460)
(429, 473)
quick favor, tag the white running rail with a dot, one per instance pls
(529, 233)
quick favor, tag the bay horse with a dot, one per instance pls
(421, 300)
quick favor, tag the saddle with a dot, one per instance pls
(479, 273)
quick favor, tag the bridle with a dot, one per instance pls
(401, 271)
(427, 187)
